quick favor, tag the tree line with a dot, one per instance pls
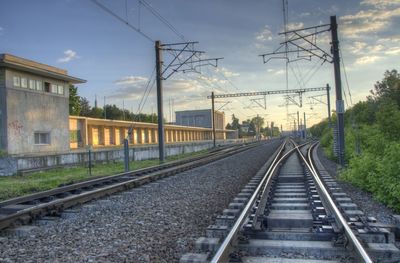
(249, 127)
(79, 106)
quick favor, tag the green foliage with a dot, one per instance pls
(388, 88)
(372, 141)
(14, 186)
(3, 153)
(388, 119)
(74, 101)
(79, 106)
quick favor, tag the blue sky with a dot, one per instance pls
(117, 62)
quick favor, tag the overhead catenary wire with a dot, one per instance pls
(146, 91)
(109, 11)
(345, 77)
(161, 18)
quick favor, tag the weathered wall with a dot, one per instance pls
(30, 111)
(200, 118)
(3, 112)
(195, 118)
(8, 166)
(79, 157)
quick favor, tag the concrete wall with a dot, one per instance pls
(195, 118)
(200, 118)
(80, 157)
(3, 112)
(8, 166)
(30, 111)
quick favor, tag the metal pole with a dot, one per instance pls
(213, 118)
(123, 109)
(90, 162)
(338, 84)
(305, 127)
(160, 102)
(298, 123)
(126, 155)
(258, 128)
(328, 99)
(105, 111)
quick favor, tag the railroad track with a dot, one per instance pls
(294, 212)
(25, 209)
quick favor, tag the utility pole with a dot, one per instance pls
(305, 127)
(105, 110)
(161, 147)
(258, 128)
(213, 118)
(298, 122)
(338, 84)
(297, 38)
(178, 64)
(123, 109)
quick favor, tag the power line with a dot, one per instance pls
(345, 77)
(146, 92)
(161, 18)
(106, 9)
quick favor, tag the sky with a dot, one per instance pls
(118, 62)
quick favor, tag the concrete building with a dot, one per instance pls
(200, 118)
(34, 106)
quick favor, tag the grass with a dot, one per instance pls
(14, 186)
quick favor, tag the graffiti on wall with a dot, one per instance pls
(15, 128)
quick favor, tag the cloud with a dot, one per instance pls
(1, 30)
(133, 87)
(275, 71)
(366, 60)
(305, 14)
(227, 73)
(132, 81)
(265, 34)
(380, 3)
(68, 56)
(368, 21)
(294, 26)
(393, 51)
(391, 39)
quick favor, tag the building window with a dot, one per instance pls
(47, 87)
(60, 89)
(39, 85)
(42, 138)
(24, 82)
(32, 84)
(53, 88)
(17, 81)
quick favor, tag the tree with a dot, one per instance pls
(96, 113)
(235, 124)
(74, 101)
(388, 88)
(388, 119)
(85, 107)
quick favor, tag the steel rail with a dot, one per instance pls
(362, 253)
(59, 204)
(222, 253)
(115, 177)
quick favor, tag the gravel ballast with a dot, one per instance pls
(157, 222)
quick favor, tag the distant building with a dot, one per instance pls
(34, 106)
(200, 118)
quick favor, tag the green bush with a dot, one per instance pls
(372, 141)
